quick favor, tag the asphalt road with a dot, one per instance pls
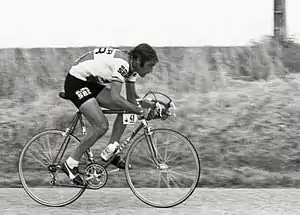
(122, 201)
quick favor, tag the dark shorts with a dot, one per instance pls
(79, 91)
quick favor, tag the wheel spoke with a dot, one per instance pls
(182, 174)
(166, 153)
(166, 149)
(174, 180)
(167, 182)
(186, 178)
(43, 149)
(49, 148)
(168, 158)
(146, 157)
(159, 175)
(175, 151)
(38, 160)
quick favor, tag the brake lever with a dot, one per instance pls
(159, 108)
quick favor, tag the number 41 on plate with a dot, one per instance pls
(129, 119)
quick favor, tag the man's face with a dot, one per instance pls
(147, 68)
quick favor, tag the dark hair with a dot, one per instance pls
(145, 52)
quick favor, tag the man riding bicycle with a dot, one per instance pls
(82, 86)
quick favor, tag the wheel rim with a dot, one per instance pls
(174, 180)
(35, 165)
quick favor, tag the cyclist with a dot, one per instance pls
(96, 79)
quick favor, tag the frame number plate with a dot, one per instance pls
(129, 119)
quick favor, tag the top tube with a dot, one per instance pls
(106, 111)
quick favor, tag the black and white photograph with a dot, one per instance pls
(150, 107)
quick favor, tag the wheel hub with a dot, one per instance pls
(163, 167)
(52, 168)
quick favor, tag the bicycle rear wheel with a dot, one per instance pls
(174, 180)
(36, 168)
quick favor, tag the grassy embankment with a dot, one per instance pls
(237, 105)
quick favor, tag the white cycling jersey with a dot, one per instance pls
(106, 63)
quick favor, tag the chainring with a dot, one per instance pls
(95, 176)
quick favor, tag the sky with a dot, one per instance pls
(65, 23)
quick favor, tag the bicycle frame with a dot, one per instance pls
(78, 117)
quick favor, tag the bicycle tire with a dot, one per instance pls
(197, 167)
(21, 173)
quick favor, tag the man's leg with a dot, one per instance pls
(93, 113)
(118, 129)
(105, 100)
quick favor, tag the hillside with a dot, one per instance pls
(237, 105)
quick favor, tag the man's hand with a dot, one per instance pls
(147, 104)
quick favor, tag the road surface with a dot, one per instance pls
(122, 201)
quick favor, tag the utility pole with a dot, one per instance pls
(279, 19)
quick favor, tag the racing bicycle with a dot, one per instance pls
(162, 165)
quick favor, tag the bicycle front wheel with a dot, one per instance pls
(170, 181)
(41, 178)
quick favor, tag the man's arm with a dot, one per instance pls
(131, 92)
(132, 96)
(116, 88)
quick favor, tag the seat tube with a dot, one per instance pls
(65, 143)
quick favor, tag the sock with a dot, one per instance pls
(72, 163)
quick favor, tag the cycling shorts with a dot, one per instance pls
(79, 91)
